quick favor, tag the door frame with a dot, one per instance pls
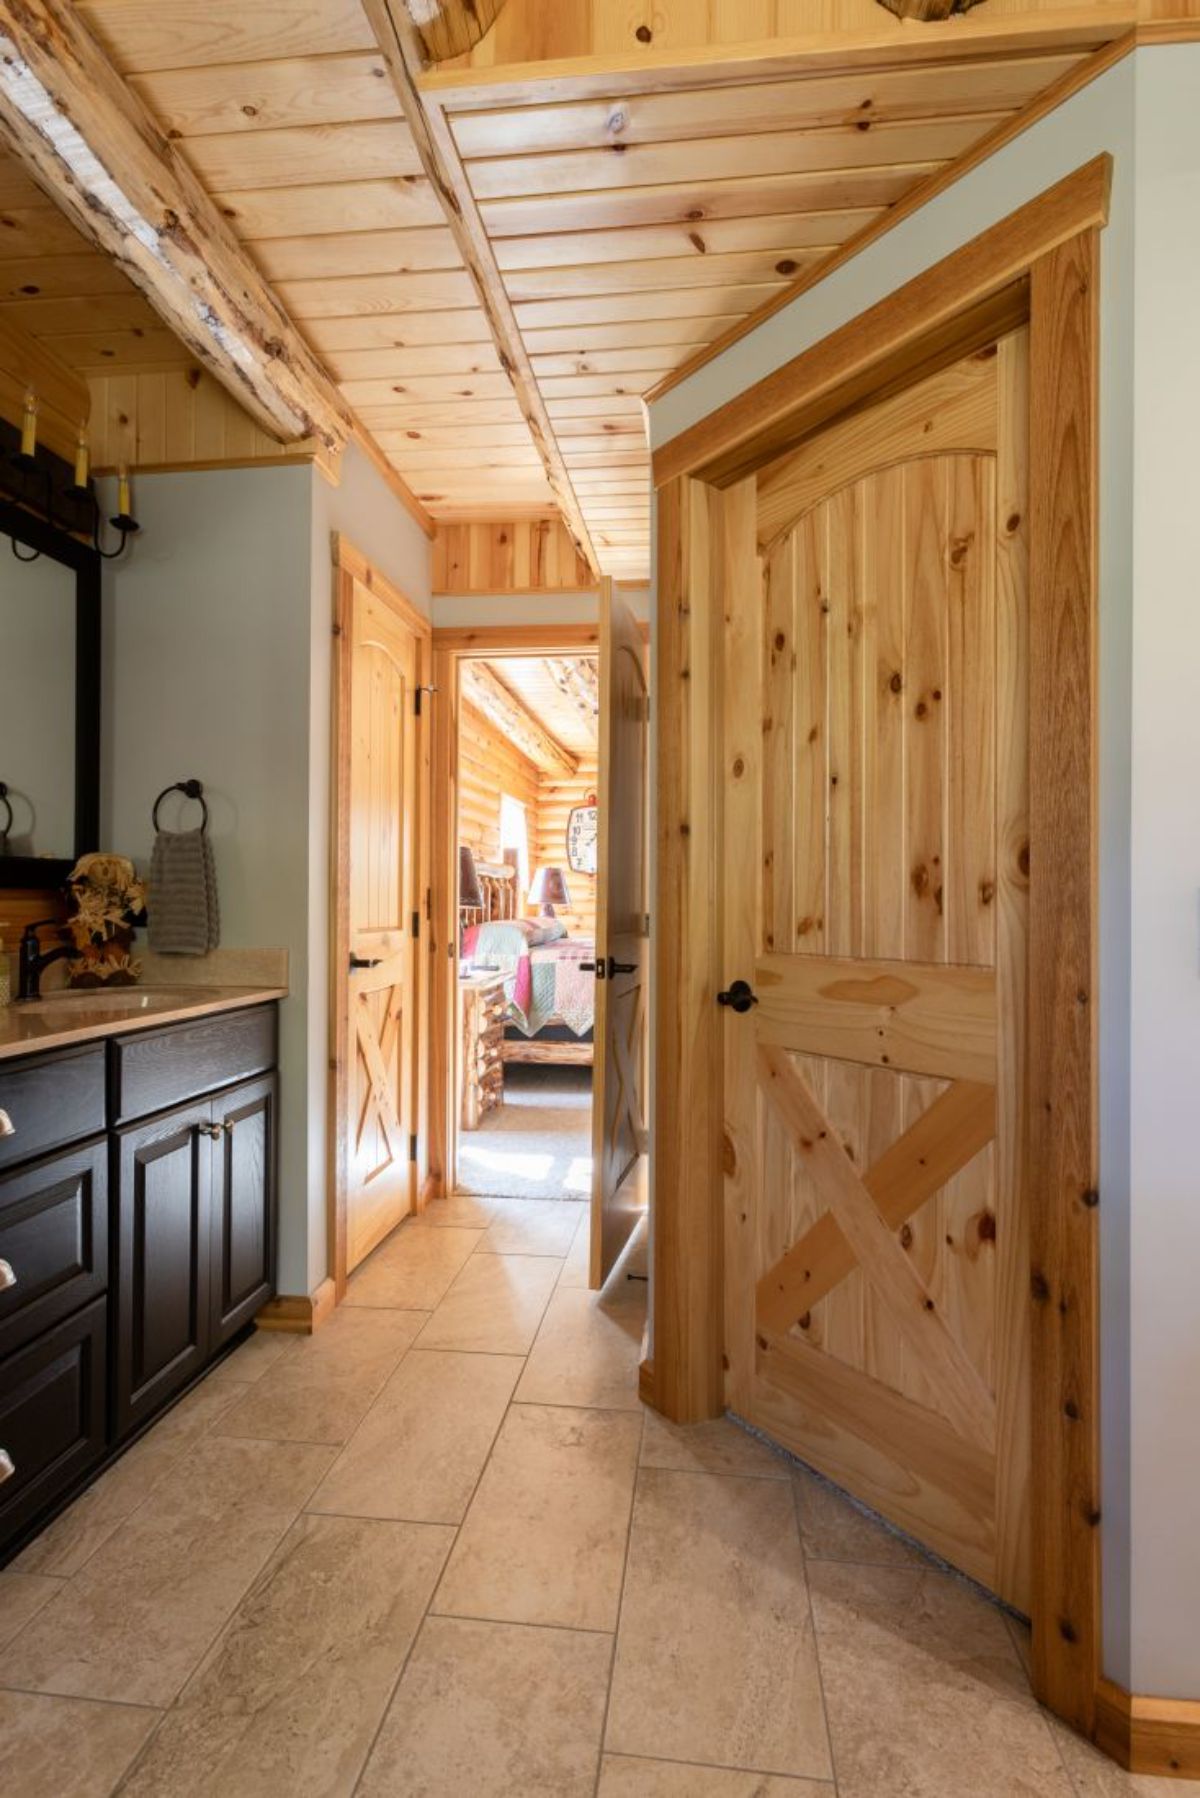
(452, 646)
(1039, 266)
(351, 566)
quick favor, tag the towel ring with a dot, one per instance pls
(191, 789)
(7, 804)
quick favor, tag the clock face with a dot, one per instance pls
(582, 832)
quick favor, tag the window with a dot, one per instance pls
(514, 834)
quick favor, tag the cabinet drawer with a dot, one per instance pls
(53, 1240)
(52, 1415)
(51, 1100)
(159, 1068)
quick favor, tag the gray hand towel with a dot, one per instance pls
(181, 905)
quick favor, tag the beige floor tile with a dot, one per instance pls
(135, 1622)
(67, 1747)
(22, 1596)
(834, 1529)
(493, 1710)
(494, 1306)
(68, 1544)
(577, 1266)
(924, 1691)
(531, 1227)
(715, 1656)
(715, 1447)
(623, 1777)
(462, 1210)
(1095, 1776)
(412, 1270)
(421, 1447)
(322, 1388)
(291, 1696)
(588, 1349)
(252, 1358)
(544, 1539)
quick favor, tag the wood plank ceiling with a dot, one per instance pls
(628, 232)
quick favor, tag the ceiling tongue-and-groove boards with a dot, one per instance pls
(627, 232)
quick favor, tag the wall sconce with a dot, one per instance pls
(82, 490)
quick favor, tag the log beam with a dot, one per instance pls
(578, 680)
(92, 146)
(483, 688)
(449, 28)
(400, 47)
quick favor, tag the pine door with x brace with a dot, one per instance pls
(877, 870)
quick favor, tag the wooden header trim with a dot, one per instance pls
(662, 70)
(515, 639)
(352, 562)
(1081, 76)
(90, 143)
(970, 294)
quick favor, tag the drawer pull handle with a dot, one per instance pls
(214, 1132)
(7, 1276)
(7, 1466)
(7, 1127)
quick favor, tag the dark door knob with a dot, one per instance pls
(739, 997)
(357, 961)
(620, 967)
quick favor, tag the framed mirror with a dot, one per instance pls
(49, 700)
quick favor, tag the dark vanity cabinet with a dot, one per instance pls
(137, 1237)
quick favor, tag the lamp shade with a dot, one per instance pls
(469, 890)
(549, 888)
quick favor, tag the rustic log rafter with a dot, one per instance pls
(449, 28)
(578, 680)
(402, 51)
(92, 146)
(483, 688)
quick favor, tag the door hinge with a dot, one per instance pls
(412, 1146)
(416, 925)
(417, 701)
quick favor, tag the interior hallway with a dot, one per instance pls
(440, 1549)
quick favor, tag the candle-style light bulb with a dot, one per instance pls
(82, 459)
(123, 498)
(29, 424)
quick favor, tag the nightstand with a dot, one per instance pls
(481, 1033)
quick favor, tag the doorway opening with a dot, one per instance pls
(528, 757)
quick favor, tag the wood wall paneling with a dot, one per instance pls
(521, 555)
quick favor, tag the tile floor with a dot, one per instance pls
(440, 1551)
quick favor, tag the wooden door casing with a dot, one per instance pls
(877, 1227)
(619, 1135)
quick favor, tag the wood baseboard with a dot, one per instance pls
(1148, 1735)
(299, 1314)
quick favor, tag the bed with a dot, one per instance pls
(550, 994)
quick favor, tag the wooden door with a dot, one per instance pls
(876, 903)
(379, 874)
(622, 933)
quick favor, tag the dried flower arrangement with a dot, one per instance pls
(108, 900)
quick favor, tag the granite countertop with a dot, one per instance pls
(63, 1019)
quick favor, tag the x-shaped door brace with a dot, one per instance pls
(628, 1099)
(372, 1046)
(859, 1229)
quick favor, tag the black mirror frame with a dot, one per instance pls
(29, 871)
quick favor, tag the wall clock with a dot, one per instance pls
(582, 833)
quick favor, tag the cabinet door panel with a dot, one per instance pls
(53, 1240)
(52, 1415)
(164, 1258)
(243, 1219)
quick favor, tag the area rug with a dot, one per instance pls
(538, 1144)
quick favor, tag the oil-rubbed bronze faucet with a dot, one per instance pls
(31, 961)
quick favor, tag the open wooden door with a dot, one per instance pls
(622, 932)
(377, 904)
(876, 898)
